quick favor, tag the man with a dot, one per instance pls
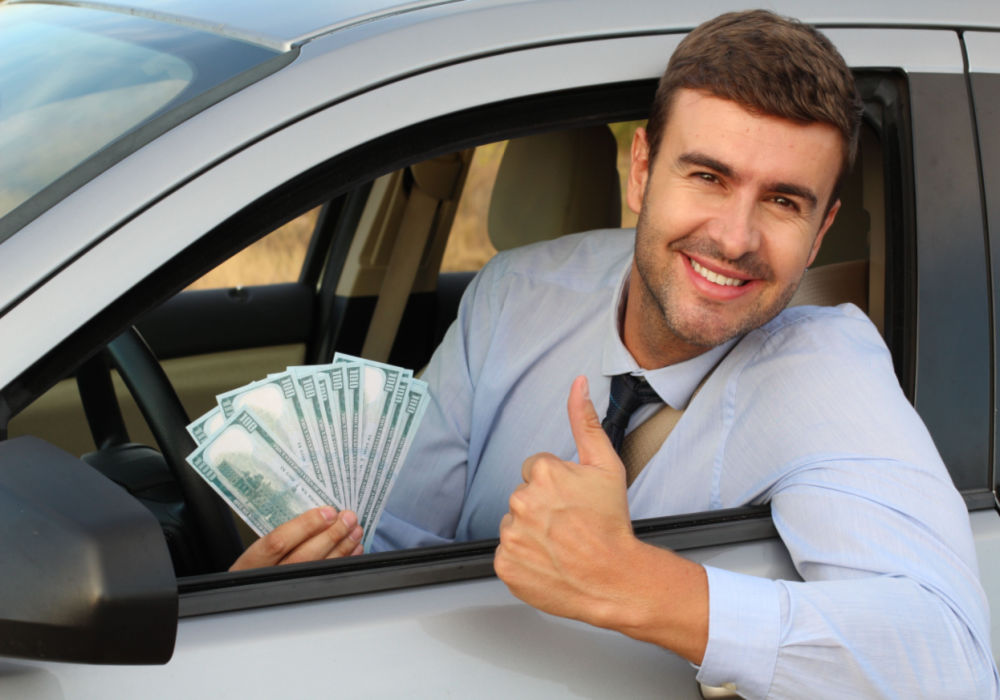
(735, 181)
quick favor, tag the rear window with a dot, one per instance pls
(80, 89)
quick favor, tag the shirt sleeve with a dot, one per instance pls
(889, 608)
(890, 604)
(427, 499)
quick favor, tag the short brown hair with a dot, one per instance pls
(768, 64)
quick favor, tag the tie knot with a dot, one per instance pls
(628, 393)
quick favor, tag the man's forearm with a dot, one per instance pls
(663, 599)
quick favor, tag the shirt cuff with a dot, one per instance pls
(744, 623)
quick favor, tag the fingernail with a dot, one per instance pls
(348, 518)
(355, 534)
(329, 514)
(586, 389)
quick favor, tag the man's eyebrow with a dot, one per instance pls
(707, 161)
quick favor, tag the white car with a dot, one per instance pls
(143, 145)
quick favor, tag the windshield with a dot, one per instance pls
(80, 89)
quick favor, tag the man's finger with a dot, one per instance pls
(337, 540)
(277, 544)
(592, 443)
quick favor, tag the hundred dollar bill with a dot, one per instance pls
(383, 449)
(318, 417)
(406, 417)
(336, 378)
(245, 465)
(276, 404)
(380, 382)
(332, 429)
(207, 425)
(353, 389)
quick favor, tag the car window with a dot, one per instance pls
(92, 87)
(275, 258)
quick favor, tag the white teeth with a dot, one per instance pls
(715, 277)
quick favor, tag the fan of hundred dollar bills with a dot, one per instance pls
(332, 434)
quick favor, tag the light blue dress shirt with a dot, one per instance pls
(805, 413)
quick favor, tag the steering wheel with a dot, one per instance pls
(217, 543)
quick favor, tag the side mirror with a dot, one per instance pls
(87, 576)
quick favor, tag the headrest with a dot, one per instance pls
(552, 184)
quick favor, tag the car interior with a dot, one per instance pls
(370, 282)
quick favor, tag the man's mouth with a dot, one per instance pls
(715, 277)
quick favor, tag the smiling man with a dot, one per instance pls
(735, 180)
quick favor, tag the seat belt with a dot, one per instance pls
(400, 273)
(639, 446)
(433, 181)
(646, 439)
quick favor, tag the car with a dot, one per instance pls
(148, 143)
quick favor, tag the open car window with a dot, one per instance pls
(325, 269)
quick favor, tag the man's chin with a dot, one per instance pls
(705, 332)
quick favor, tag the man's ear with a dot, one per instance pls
(830, 216)
(638, 172)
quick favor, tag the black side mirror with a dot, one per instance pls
(87, 576)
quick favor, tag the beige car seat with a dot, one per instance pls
(552, 184)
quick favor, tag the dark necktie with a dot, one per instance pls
(628, 393)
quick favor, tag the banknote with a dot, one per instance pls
(310, 435)
(380, 382)
(317, 418)
(206, 425)
(254, 474)
(276, 403)
(407, 413)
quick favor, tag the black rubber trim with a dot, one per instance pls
(372, 573)
(215, 593)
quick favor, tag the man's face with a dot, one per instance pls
(730, 214)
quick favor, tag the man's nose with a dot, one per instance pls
(735, 228)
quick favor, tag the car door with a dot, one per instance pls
(436, 622)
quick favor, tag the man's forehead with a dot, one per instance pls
(742, 142)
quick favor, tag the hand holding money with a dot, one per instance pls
(320, 533)
(310, 454)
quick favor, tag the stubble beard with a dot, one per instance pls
(705, 327)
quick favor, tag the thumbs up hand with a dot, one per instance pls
(569, 524)
(567, 547)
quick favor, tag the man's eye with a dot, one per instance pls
(785, 203)
(707, 177)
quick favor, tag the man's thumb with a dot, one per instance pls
(592, 443)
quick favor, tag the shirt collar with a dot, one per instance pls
(676, 383)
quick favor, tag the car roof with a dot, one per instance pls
(282, 26)
(275, 25)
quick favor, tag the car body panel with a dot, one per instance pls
(258, 24)
(465, 639)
